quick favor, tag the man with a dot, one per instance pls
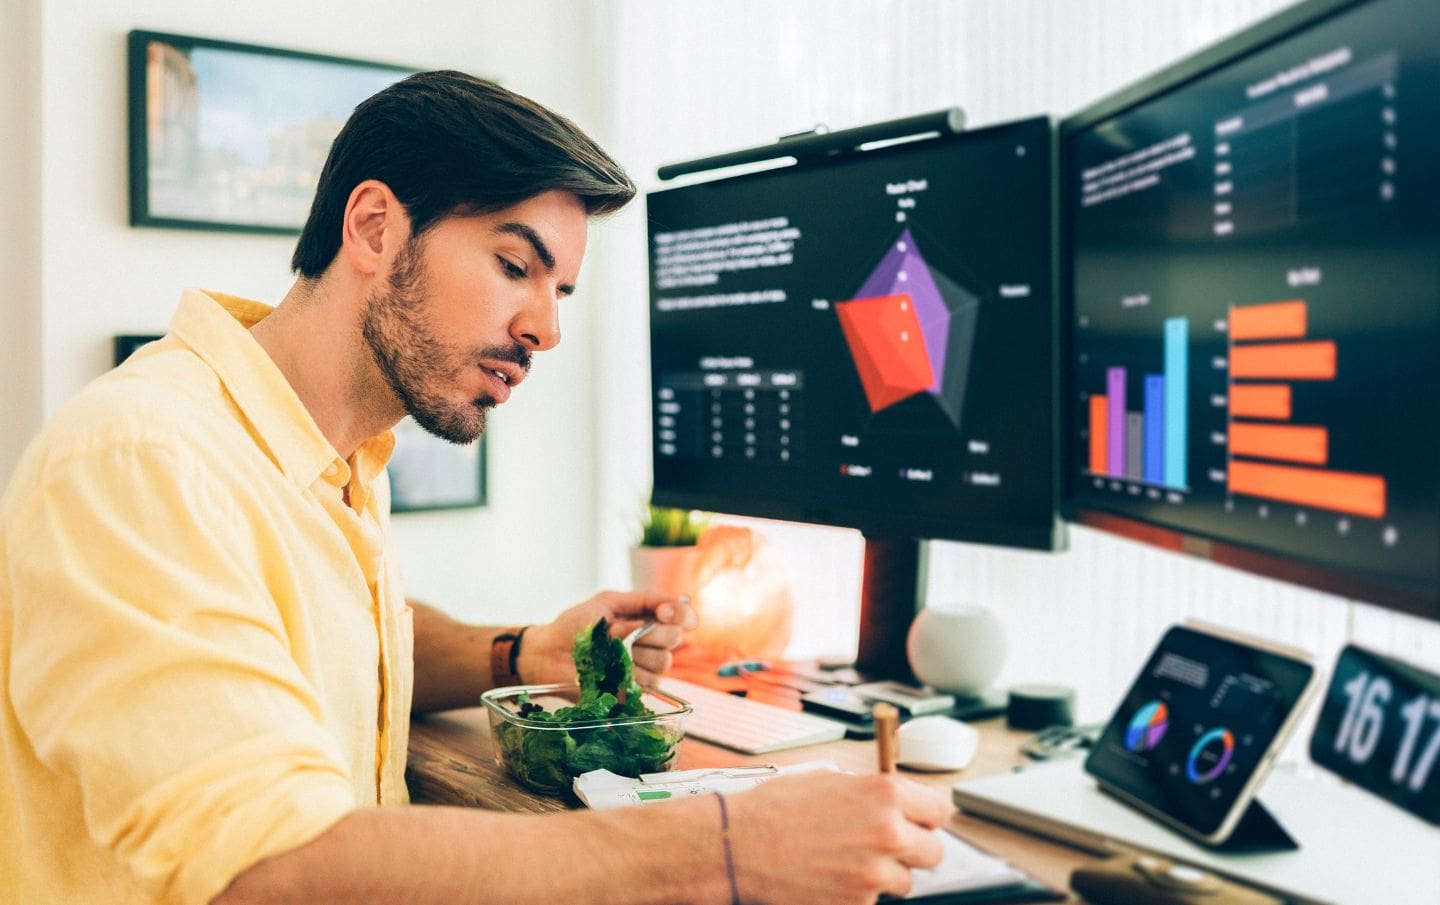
(206, 653)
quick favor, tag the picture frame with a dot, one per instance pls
(230, 136)
(428, 473)
(126, 345)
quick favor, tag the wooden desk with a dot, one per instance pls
(452, 761)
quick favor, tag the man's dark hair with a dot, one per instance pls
(449, 143)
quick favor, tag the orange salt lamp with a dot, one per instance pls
(740, 587)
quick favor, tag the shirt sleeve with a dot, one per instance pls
(150, 665)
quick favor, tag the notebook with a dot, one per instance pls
(967, 874)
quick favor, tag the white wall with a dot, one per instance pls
(701, 78)
(20, 228)
(90, 275)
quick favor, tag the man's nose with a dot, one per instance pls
(537, 326)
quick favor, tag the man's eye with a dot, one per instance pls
(512, 270)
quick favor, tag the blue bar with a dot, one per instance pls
(1155, 428)
(1177, 410)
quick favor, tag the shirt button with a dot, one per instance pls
(331, 470)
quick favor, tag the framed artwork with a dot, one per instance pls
(127, 343)
(233, 136)
(429, 473)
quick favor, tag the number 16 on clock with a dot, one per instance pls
(1380, 729)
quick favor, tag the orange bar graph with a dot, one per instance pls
(1338, 491)
(1291, 443)
(1284, 361)
(1260, 400)
(1099, 427)
(1272, 320)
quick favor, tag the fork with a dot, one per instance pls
(638, 633)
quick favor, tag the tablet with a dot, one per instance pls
(1198, 729)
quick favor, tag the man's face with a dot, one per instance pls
(467, 304)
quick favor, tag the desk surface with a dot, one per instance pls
(452, 762)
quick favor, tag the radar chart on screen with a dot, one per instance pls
(910, 329)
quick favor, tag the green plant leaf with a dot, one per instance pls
(662, 526)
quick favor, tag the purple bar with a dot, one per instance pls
(1115, 390)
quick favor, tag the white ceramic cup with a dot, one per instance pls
(956, 648)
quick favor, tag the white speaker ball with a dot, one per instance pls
(956, 649)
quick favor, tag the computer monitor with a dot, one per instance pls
(1250, 272)
(865, 339)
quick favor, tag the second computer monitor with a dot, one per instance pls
(1253, 314)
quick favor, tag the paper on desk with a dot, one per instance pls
(601, 789)
(962, 867)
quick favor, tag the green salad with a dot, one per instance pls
(548, 759)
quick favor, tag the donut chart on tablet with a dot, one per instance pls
(1210, 756)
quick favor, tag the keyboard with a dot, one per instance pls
(748, 726)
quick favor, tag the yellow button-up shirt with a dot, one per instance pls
(205, 655)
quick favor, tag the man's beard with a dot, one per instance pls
(413, 358)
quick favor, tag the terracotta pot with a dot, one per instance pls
(666, 569)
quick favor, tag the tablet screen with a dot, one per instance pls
(1196, 724)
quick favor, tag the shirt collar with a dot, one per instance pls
(216, 327)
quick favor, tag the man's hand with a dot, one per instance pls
(826, 837)
(545, 652)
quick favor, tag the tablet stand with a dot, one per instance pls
(1257, 831)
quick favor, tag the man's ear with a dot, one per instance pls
(373, 227)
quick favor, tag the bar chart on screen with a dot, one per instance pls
(1271, 455)
(1251, 406)
(1147, 440)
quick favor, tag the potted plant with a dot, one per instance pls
(660, 562)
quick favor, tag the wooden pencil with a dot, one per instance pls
(887, 718)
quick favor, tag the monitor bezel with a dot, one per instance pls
(1049, 536)
(1347, 584)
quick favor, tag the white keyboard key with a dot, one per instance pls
(748, 726)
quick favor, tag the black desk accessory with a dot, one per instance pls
(1379, 728)
(1038, 706)
(1149, 880)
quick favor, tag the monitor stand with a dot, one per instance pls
(890, 594)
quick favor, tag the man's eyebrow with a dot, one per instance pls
(529, 235)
